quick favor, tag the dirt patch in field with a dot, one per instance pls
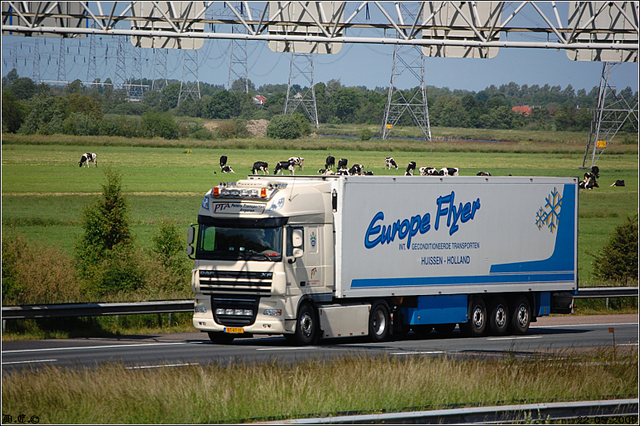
(210, 125)
(257, 127)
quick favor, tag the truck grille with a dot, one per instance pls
(236, 283)
(232, 311)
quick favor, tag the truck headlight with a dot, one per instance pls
(273, 312)
(276, 205)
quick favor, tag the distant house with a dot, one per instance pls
(522, 110)
(259, 100)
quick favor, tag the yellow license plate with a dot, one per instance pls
(234, 330)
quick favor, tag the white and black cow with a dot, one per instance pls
(284, 165)
(390, 162)
(449, 171)
(589, 181)
(356, 169)
(428, 171)
(367, 173)
(330, 162)
(342, 163)
(297, 161)
(343, 172)
(260, 166)
(326, 172)
(410, 169)
(89, 157)
(483, 174)
(227, 169)
(618, 183)
(223, 161)
(596, 171)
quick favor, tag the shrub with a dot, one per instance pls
(365, 135)
(33, 274)
(168, 249)
(284, 127)
(618, 259)
(159, 124)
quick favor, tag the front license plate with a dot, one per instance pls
(234, 330)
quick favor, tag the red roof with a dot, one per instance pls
(522, 109)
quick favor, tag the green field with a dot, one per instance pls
(44, 190)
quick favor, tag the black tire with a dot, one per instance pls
(422, 329)
(379, 322)
(445, 328)
(477, 323)
(306, 326)
(520, 316)
(499, 316)
(221, 338)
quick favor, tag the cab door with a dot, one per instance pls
(305, 272)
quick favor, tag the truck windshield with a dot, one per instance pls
(231, 243)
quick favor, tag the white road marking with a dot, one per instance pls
(73, 348)
(27, 362)
(514, 337)
(417, 353)
(287, 349)
(141, 367)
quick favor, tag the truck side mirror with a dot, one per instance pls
(296, 238)
(191, 237)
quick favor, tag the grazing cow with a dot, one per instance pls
(410, 169)
(483, 174)
(342, 163)
(223, 161)
(329, 162)
(356, 169)
(89, 157)
(589, 181)
(367, 173)
(428, 171)
(297, 161)
(449, 171)
(284, 165)
(618, 183)
(343, 172)
(390, 162)
(326, 172)
(596, 171)
(227, 169)
(260, 166)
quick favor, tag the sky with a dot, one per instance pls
(367, 65)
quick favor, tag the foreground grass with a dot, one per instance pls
(239, 393)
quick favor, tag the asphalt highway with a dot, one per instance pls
(548, 334)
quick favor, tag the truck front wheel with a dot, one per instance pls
(379, 322)
(306, 326)
(477, 322)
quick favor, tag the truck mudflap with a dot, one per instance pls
(562, 303)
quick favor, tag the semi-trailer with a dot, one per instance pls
(313, 257)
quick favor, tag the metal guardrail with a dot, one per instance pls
(622, 409)
(172, 306)
(96, 309)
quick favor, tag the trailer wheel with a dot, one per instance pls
(499, 316)
(218, 337)
(445, 328)
(379, 322)
(521, 316)
(306, 326)
(477, 322)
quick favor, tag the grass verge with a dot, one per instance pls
(245, 392)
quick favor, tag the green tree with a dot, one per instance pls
(13, 113)
(618, 259)
(157, 124)
(344, 104)
(169, 246)
(284, 126)
(105, 255)
(23, 88)
(223, 104)
(77, 103)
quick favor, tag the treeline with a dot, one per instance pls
(101, 110)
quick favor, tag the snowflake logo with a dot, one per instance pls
(549, 215)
